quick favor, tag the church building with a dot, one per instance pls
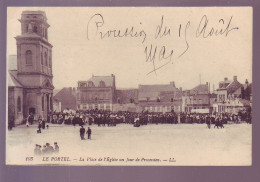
(30, 88)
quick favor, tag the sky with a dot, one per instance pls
(82, 47)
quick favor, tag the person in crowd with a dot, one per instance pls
(43, 124)
(39, 125)
(37, 150)
(56, 147)
(49, 149)
(31, 118)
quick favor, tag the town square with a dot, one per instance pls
(117, 99)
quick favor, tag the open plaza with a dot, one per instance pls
(163, 144)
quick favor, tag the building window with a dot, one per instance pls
(28, 57)
(102, 84)
(41, 59)
(172, 100)
(42, 103)
(45, 59)
(35, 29)
(19, 106)
(131, 100)
(158, 99)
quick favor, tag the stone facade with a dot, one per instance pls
(34, 66)
(160, 98)
(232, 96)
(99, 92)
(197, 99)
(96, 93)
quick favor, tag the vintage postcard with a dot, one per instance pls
(129, 86)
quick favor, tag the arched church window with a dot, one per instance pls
(19, 105)
(45, 59)
(90, 84)
(102, 84)
(35, 29)
(42, 103)
(28, 57)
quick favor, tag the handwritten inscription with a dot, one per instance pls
(98, 21)
(161, 55)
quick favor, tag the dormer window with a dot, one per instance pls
(90, 84)
(102, 84)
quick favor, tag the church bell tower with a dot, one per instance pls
(34, 63)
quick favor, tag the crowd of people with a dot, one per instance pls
(108, 118)
(102, 117)
(47, 149)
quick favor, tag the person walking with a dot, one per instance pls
(82, 132)
(39, 125)
(89, 133)
(31, 118)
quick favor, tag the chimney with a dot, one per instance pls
(207, 83)
(235, 78)
(180, 89)
(225, 79)
(172, 84)
(246, 82)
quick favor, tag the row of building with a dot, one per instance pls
(100, 92)
(30, 88)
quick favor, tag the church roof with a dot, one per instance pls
(12, 80)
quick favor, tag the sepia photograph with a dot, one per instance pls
(129, 86)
